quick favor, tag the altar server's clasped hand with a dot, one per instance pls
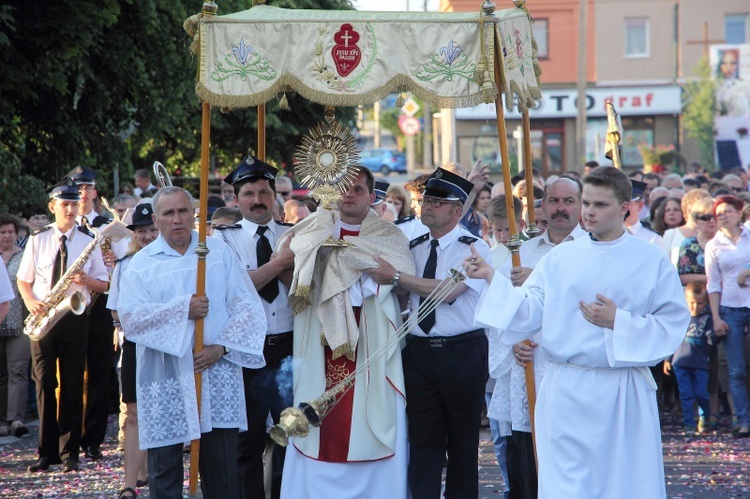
(601, 312)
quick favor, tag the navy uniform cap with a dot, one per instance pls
(84, 175)
(251, 168)
(67, 191)
(639, 189)
(142, 215)
(447, 185)
(381, 188)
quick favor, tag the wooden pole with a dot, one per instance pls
(262, 132)
(200, 287)
(515, 243)
(533, 230)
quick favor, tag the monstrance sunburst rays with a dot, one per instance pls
(327, 160)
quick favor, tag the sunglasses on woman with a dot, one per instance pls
(707, 217)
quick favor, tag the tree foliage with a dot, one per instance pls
(698, 111)
(111, 83)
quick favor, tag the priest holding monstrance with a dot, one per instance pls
(345, 331)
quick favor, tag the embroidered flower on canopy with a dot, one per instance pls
(450, 52)
(242, 51)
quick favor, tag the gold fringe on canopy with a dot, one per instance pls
(342, 58)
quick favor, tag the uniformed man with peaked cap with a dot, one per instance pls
(445, 359)
(48, 254)
(269, 388)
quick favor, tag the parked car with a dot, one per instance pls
(384, 161)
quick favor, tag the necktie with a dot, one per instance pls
(263, 252)
(61, 261)
(429, 273)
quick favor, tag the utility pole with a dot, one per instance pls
(376, 120)
(581, 86)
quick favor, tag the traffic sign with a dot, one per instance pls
(410, 107)
(409, 125)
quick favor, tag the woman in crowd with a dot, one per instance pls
(691, 266)
(667, 216)
(15, 351)
(144, 232)
(474, 215)
(398, 198)
(673, 237)
(727, 254)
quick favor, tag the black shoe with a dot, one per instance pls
(42, 464)
(93, 452)
(69, 464)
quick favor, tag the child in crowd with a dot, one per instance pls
(690, 361)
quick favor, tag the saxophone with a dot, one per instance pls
(37, 326)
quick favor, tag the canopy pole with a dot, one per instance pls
(200, 288)
(515, 243)
(262, 132)
(209, 9)
(532, 231)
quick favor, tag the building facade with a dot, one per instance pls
(639, 54)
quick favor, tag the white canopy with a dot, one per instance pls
(348, 58)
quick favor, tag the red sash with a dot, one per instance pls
(335, 431)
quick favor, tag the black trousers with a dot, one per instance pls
(66, 343)
(266, 389)
(445, 397)
(99, 365)
(519, 453)
(217, 464)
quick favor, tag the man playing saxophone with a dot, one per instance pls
(49, 253)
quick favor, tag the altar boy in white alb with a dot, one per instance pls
(609, 306)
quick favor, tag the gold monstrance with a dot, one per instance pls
(327, 163)
(327, 160)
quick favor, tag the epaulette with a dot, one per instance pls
(467, 239)
(85, 231)
(285, 224)
(100, 220)
(404, 220)
(419, 240)
(227, 227)
(43, 229)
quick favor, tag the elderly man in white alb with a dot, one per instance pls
(158, 307)
(598, 434)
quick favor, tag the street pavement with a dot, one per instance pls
(708, 466)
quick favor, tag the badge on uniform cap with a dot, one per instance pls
(439, 174)
(144, 211)
(251, 168)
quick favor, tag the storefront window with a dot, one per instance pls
(547, 151)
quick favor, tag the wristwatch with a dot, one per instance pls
(394, 282)
(226, 350)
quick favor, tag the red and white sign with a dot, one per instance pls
(562, 103)
(408, 124)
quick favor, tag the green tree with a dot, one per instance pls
(108, 83)
(698, 110)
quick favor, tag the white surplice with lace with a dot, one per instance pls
(154, 300)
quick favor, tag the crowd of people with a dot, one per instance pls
(633, 296)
